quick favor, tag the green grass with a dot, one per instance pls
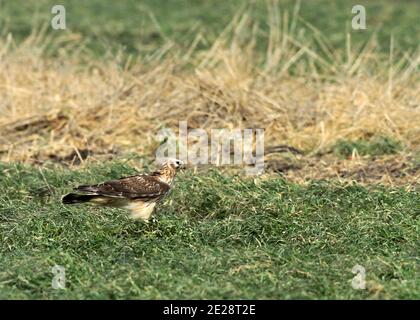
(140, 26)
(217, 236)
(376, 146)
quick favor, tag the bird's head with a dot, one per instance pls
(173, 163)
(168, 169)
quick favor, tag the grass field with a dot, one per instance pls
(216, 237)
(84, 105)
(140, 26)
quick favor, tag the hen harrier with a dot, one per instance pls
(138, 193)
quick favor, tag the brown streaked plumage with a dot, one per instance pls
(138, 193)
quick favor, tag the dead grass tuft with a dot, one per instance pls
(400, 170)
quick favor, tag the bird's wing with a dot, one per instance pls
(134, 187)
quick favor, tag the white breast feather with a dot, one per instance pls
(141, 209)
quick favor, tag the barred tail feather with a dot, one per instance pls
(73, 198)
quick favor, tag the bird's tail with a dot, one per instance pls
(73, 198)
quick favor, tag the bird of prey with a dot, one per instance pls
(139, 193)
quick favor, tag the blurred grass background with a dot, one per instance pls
(140, 26)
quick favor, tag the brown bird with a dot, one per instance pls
(139, 193)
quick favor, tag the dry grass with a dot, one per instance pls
(301, 92)
(396, 170)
